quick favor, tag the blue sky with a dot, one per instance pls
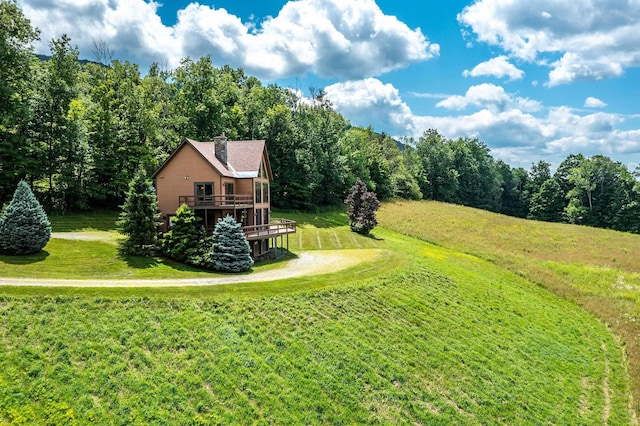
(533, 80)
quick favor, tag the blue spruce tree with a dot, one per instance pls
(231, 251)
(24, 226)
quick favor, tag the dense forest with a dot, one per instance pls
(76, 131)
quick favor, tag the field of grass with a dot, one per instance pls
(427, 336)
(596, 268)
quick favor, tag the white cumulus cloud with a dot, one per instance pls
(498, 67)
(592, 102)
(489, 96)
(371, 101)
(591, 40)
(516, 129)
(330, 38)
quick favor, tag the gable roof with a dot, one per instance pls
(243, 157)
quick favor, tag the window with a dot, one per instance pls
(228, 191)
(258, 217)
(266, 216)
(265, 192)
(258, 193)
(203, 193)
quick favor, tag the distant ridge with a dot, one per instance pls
(81, 61)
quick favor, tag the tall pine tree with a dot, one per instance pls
(139, 217)
(24, 226)
(231, 251)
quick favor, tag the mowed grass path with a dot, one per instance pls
(424, 336)
(598, 269)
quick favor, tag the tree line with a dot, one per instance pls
(77, 132)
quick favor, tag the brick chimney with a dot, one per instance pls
(220, 148)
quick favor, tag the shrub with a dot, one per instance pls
(24, 226)
(231, 251)
(187, 240)
(139, 217)
(361, 208)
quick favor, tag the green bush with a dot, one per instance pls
(187, 240)
(24, 226)
(231, 251)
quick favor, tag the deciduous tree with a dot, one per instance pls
(548, 203)
(17, 62)
(52, 126)
(361, 208)
(440, 179)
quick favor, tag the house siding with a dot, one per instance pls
(179, 176)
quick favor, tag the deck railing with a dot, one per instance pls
(226, 201)
(276, 227)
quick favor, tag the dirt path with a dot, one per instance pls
(315, 262)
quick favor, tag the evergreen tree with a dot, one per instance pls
(139, 217)
(361, 208)
(231, 251)
(24, 226)
(184, 242)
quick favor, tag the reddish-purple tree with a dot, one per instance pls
(361, 208)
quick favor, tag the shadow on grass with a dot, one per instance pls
(25, 259)
(283, 255)
(140, 262)
(373, 237)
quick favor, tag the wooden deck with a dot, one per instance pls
(276, 228)
(231, 201)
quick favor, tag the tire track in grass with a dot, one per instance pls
(354, 240)
(605, 388)
(335, 235)
(372, 242)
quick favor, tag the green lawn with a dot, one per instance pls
(87, 259)
(598, 269)
(424, 336)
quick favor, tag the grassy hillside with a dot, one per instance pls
(426, 335)
(596, 268)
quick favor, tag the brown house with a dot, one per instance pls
(219, 178)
